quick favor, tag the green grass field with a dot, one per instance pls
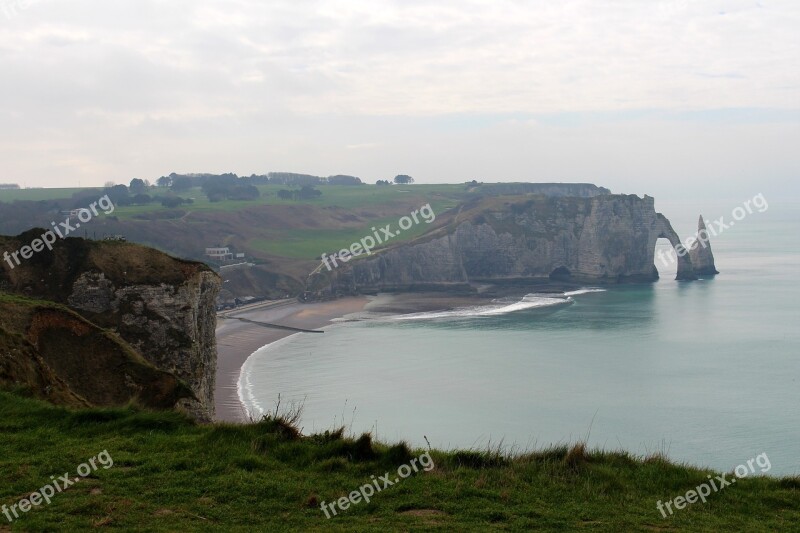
(170, 474)
(309, 244)
(347, 197)
(36, 195)
(285, 240)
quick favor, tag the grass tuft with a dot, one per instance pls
(577, 457)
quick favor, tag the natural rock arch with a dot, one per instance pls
(663, 230)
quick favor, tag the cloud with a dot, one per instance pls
(103, 77)
(362, 146)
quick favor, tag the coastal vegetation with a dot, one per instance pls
(172, 474)
(283, 230)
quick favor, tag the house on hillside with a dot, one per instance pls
(219, 253)
(76, 213)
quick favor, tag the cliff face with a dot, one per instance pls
(160, 306)
(172, 326)
(600, 239)
(64, 358)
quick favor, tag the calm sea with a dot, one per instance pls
(707, 372)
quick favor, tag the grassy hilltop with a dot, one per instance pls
(170, 474)
(283, 238)
(327, 222)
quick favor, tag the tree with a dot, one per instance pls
(171, 201)
(244, 192)
(296, 180)
(229, 186)
(402, 179)
(382, 182)
(341, 179)
(141, 199)
(138, 186)
(307, 192)
(181, 183)
(164, 181)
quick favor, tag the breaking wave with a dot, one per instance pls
(529, 301)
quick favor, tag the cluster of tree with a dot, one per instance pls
(307, 192)
(9, 186)
(122, 195)
(295, 180)
(300, 180)
(183, 182)
(229, 187)
(343, 179)
(400, 179)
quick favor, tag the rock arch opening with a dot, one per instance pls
(561, 273)
(665, 259)
(684, 269)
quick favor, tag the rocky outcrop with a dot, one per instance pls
(162, 307)
(172, 326)
(700, 252)
(600, 239)
(59, 356)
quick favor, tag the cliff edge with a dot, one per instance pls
(161, 307)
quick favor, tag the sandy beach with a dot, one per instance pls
(236, 341)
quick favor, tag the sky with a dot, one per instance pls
(668, 98)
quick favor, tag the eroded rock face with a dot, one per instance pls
(58, 355)
(602, 239)
(700, 252)
(160, 306)
(172, 326)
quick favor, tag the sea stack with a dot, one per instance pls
(700, 252)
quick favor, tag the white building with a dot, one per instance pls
(219, 254)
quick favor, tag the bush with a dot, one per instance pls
(172, 201)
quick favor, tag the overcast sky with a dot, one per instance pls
(657, 97)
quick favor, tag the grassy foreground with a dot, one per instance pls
(170, 474)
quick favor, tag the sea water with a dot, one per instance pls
(706, 372)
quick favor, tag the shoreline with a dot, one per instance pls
(237, 341)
